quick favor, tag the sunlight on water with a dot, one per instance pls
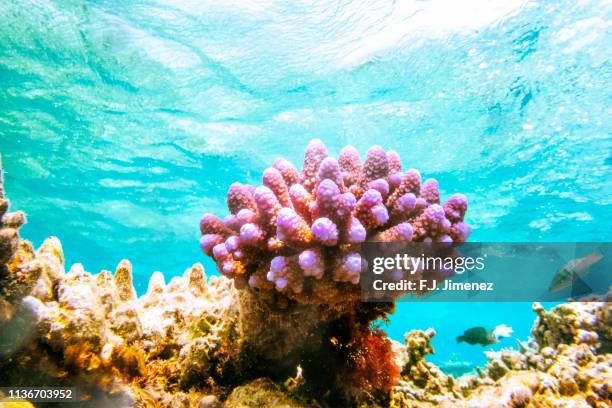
(122, 122)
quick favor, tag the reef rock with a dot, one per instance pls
(173, 345)
(561, 367)
(263, 393)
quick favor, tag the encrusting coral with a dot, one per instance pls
(192, 342)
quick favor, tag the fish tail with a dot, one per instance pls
(460, 339)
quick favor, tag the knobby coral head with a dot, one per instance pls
(299, 233)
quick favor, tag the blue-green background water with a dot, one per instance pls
(122, 122)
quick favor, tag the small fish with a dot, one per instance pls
(484, 337)
(576, 268)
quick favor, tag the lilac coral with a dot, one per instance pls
(299, 232)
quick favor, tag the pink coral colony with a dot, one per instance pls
(299, 233)
(294, 245)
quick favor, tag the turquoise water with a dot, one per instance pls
(122, 122)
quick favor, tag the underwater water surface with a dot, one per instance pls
(122, 122)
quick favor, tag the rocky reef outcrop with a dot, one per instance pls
(173, 346)
(194, 341)
(78, 329)
(565, 364)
